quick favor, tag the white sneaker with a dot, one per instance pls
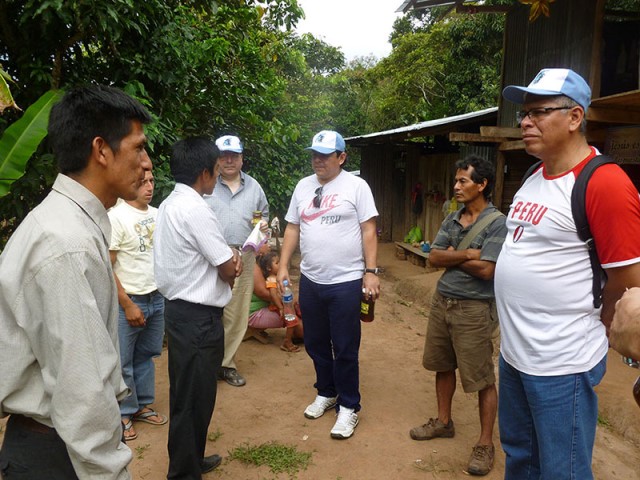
(319, 406)
(345, 424)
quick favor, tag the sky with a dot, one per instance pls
(359, 27)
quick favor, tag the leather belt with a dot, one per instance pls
(30, 424)
(146, 296)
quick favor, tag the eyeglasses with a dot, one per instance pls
(537, 112)
(317, 200)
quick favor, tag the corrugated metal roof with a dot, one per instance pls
(420, 4)
(430, 127)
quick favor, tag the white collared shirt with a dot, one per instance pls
(188, 247)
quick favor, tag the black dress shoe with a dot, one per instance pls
(231, 376)
(210, 462)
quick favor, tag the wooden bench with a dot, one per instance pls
(406, 251)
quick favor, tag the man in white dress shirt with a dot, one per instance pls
(194, 271)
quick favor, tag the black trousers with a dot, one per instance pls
(195, 337)
(32, 451)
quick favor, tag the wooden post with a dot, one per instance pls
(499, 186)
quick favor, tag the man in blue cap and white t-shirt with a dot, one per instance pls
(554, 345)
(333, 216)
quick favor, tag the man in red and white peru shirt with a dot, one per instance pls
(554, 341)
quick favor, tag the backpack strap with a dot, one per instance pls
(579, 212)
(530, 170)
(478, 227)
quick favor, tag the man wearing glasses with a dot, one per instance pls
(235, 198)
(333, 215)
(554, 339)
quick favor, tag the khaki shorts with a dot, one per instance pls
(459, 336)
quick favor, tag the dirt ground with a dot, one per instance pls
(397, 394)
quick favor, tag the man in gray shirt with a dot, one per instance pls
(61, 379)
(234, 200)
(460, 324)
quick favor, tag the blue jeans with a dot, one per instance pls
(331, 316)
(138, 346)
(548, 424)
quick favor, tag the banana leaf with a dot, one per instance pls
(21, 139)
(6, 100)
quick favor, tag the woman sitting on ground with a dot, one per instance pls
(266, 303)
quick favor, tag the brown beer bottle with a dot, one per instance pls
(367, 306)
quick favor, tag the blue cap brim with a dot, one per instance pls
(516, 94)
(231, 150)
(322, 150)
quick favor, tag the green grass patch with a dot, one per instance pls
(279, 458)
(214, 436)
(603, 421)
(140, 451)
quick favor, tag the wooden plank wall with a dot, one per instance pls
(517, 163)
(392, 172)
(565, 39)
(436, 172)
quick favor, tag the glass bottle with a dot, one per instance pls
(367, 307)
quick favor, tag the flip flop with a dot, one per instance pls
(128, 425)
(144, 417)
(291, 349)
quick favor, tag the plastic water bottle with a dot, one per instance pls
(287, 303)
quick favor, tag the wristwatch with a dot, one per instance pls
(375, 270)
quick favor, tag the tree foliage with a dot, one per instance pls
(201, 67)
(322, 58)
(438, 67)
(236, 67)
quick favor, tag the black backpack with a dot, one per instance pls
(579, 212)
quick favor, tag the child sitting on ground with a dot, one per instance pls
(266, 303)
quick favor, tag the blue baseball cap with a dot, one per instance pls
(229, 143)
(551, 82)
(326, 142)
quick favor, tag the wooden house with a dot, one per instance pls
(597, 38)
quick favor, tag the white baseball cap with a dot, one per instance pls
(229, 143)
(551, 82)
(326, 142)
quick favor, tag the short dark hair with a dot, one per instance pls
(482, 169)
(85, 113)
(190, 157)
